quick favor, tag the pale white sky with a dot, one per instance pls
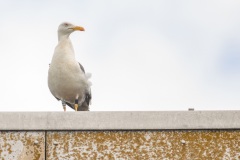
(143, 55)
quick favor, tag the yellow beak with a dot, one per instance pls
(78, 28)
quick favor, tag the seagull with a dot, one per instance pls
(67, 80)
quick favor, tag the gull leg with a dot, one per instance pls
(64, 105)
(76, 104)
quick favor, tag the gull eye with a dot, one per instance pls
(65, 24)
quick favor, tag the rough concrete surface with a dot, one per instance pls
(146, 145)
(120, 120)
(22, 145)
(120, 135)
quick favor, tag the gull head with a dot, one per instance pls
(65, 29)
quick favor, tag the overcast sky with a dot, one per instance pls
(143, 55)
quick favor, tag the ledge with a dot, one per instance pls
(150, 120)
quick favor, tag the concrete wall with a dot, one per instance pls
(120, 135)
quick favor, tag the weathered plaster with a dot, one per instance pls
(150, 145)
(21, 146)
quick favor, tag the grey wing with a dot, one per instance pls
(81, 67)
(88, 96)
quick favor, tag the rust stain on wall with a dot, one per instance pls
(22, 145)
(150, 145)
